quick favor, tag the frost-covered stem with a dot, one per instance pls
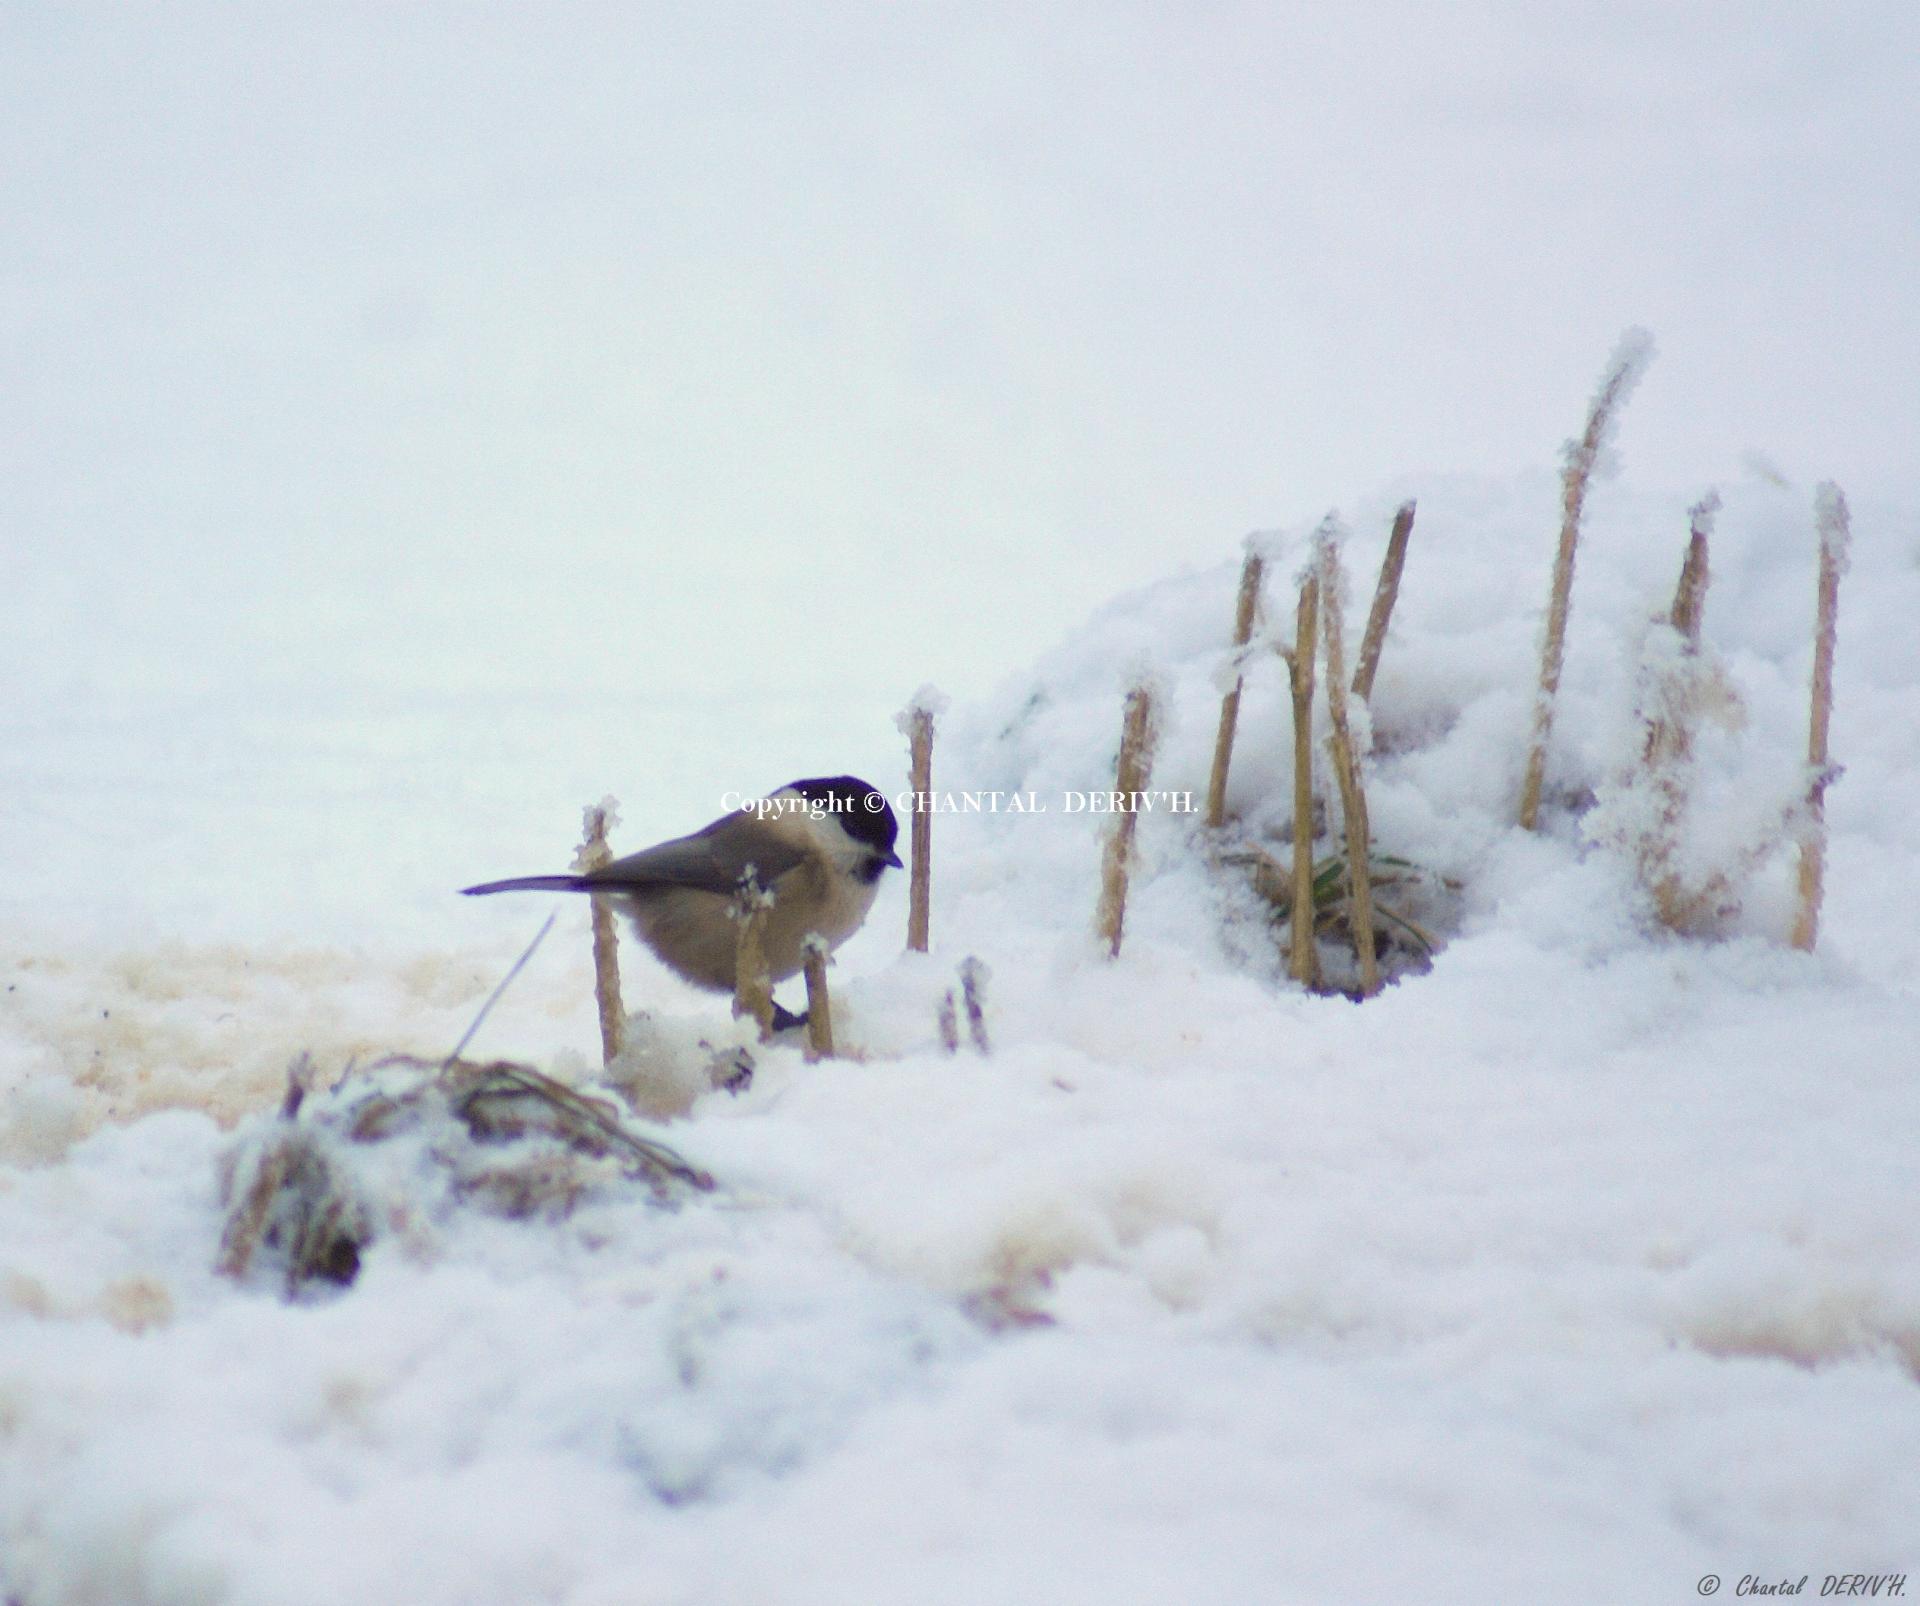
(1303, 959)
(920, 855)
(594, 852)
(1245, 608)
(1130, 780)
(1690, 595)
(1835, 528)
(973, 991)
(752, 986)
(1385, 593)
(949, 1019)
(1629, 361)
(1353, 801)
(819, 1006)
(1669, 708)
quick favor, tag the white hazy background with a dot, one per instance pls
(509, 395)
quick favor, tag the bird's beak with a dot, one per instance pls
(892, 858)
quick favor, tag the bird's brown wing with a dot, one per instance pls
(707, 861)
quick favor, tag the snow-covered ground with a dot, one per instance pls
(1584, 1264)
(422, 420)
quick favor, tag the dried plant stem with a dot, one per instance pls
(1303, 959)
(752, 986)
(1246, 607)
(1134, 770)
(499, 991)
(973, 988)
(819, 1006)
(1353, 800)
(1670, 714)
(1385, 593)
(1623, 371)
(594, 852)
(920, 855)
(1835, 527)
(1690, 595)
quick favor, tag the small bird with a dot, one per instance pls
(818, 847)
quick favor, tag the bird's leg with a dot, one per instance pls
(784, 1020)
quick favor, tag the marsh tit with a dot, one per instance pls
(819, 847)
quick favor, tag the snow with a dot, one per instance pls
(422, 420)
(1585, 1260)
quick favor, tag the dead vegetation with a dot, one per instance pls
(1132, 772)
(1356, 918)
(1624, 368)
(593, 855)
(305, 1193)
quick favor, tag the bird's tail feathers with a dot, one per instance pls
(532, 883)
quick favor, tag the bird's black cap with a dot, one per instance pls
(862, 810)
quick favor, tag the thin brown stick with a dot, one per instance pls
(594, 852)
(752, 986)
(819, 1005)
(1303, 958)
(918, 723)
(1835, 526)
(1132, 773)
(1353, 800)
(1246, 607)
(1628, 362)
(1385, 593)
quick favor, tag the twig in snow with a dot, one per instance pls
(752, 986)
(819, 1006)
(1134, 770)
(1385, 593)
(1246, 606)
(1353, 800)
(973, 987)
(1835, 526)
(493, 997)
(1623, 372)
(916, 721)
(1303, 959)
(594, 852)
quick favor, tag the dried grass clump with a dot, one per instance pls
(1326, 890)
(1410, 907)
(308, 1194)
(291, 1195)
